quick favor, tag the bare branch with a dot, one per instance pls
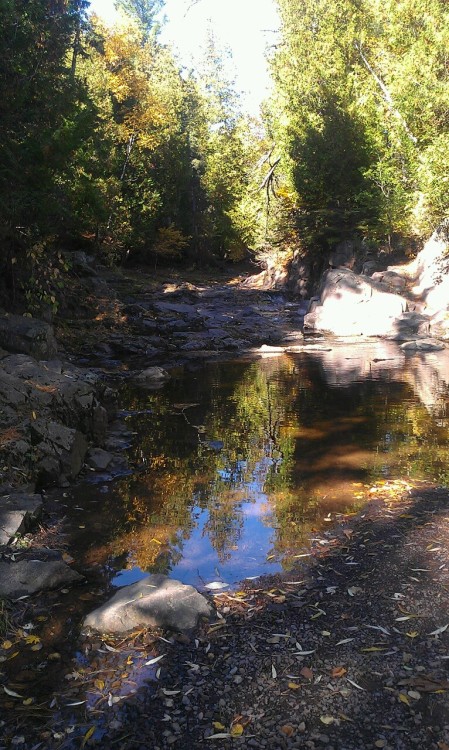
(386, 94)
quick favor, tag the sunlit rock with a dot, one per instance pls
(156, 601)
(352, 305)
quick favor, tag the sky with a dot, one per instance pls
(245, 26)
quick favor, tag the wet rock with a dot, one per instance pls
(28, 336)
(29, 576)
(155, 601)
(99, 459)
(18, 513)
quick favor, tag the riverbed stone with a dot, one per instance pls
(155, 601)
(27, 577)
(19, 511)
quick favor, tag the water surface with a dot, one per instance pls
(237, 463)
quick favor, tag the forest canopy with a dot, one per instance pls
(109, 145)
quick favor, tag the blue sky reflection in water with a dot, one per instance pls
(304, 437)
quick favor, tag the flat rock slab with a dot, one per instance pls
(29, 576)
(18, 512)
(423, 345)
(156, 601)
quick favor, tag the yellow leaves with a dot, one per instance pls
(6, 645)
(412, 634)
(403, 698)
(218, 726)
(294, 686)
(237, 730)
(99, 684)
(32, 639)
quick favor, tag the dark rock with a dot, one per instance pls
(19, 511)
(152, 377)
(27, 336)
(29, 576)
(99, 459)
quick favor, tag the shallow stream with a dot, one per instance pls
(235, 464)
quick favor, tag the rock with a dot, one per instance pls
(152, 377)
(344, 255)
(18, 512)
(410, 325)
(352, 305)
(155, 601)
(65, 444)
(27, 336)
(423, 345)
(99, 459)
(29, 576)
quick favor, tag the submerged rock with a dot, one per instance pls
(155, 601)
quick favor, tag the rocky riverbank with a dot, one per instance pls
(349, 651)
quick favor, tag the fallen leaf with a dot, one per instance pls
(345, 640)
(442, 629)
(307, 673)
(294, 686)
(216, 585)
(32, 639)
(99, 684)
(274, 674)
(412, 634)
(288, 730)
(355, 684)
(338, 672)
(327, 720)
(6, 645)
(404, 698)
(237, 730)
(380, 743)
(154, 661)
(218, 725)
(88, 735)
(219, 736)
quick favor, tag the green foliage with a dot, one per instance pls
(359, 115)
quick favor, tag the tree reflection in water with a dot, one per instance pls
(237, 463)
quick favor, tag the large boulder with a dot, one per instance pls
(156, 601)
(27, 336)
(354, 305)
